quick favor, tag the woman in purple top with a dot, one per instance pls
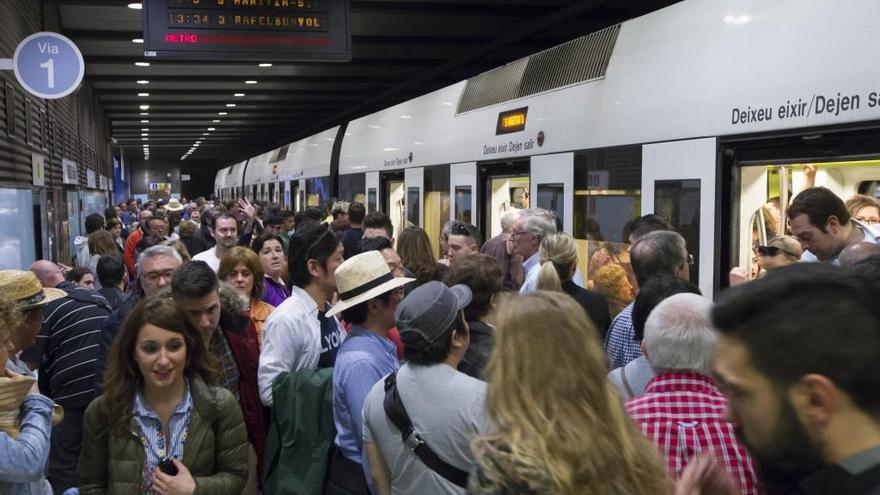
(271, 252)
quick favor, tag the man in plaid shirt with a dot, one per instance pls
(682, 411)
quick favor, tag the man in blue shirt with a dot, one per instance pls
(369, 294)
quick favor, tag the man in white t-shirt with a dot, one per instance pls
(225, 232)
(446, 407)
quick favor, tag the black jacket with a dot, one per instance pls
(593, 303)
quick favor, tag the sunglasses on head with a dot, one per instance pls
(460, 228)
(770, 251)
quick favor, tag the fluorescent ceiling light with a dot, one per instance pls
(251, 81)
(145, 122)
(264, 64)
(215, 120)
(221, 113)
(210, 128)
(239, 95)
(143, 81)
(137, 40)
(144, 107)
(230, 105)
(142, 64)
(136, 6)
(142, 95)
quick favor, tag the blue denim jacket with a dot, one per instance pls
(23, 460)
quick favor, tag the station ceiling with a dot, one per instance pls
(400, 49)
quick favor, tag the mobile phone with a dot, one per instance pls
(167, 466)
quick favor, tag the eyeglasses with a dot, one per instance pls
(155, 276)
(518, 233)
(868, 221)
(770, 251)
(690, 260)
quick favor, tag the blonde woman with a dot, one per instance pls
(560, 426)
(611, 281)
(559, 259)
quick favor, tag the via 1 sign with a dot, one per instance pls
(48, 65)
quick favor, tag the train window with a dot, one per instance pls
(412, 206)
(17, 250)
(436, 208)
(550, 197)
(316, 191)
(678, 201)
(371, 199)
(607, 197)
(352, 187)
(463, 204)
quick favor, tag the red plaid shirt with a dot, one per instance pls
(683, 414)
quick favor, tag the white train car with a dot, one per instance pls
(296, 175)
(702, 112)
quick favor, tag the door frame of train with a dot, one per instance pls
(371, 181)
(415, 178)
(557, 168)
(463, 175)
(486, 172)
(687, 160)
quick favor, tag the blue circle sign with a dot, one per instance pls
(48, 65)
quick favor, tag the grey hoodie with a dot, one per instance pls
(81, 245)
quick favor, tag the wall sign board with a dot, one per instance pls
(48, 65)
(306, 30)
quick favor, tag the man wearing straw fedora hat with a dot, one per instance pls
(24, 289)
(368, 297)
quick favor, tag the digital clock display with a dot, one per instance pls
(306, 30)
(511, 121)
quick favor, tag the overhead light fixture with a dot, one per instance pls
(144, 107)
(142, 64)
(145, 129)
(210, 128)
(145, 139)
(215, 120)
(145, 113)
(137, 40)
(145, 122)
(145, 134)
(264, 64)
(251, 81)
(239, 95)
(136, 6)
(143, 95)
(221, 113)
(230, 105)
(204, 134)
(143, 81)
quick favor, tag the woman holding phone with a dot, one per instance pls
(159, 427)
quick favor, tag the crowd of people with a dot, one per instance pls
(235, 347)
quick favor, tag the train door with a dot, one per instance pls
(372, 186)
(393, 192)
(414, 181)
(505, 188)
(551, 185)
(463, 188)
(283, 195)
(301, 194)
(766, 174)
(273, 198)
(678, 183)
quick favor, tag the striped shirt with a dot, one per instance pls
(69, 345)
(620, 343)
(152, 433)
(682, 413)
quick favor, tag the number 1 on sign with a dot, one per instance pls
(49, 65)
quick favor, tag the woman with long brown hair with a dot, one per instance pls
(159, 427)
(560, 426)
(414, 249)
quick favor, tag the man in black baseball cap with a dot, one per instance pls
(444, 405)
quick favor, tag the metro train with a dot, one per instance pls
(704, 112)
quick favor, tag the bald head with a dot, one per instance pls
(48, 273)
(854, 253)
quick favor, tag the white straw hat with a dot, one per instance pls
(363, 277)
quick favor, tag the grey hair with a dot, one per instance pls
(661, 252)
(539, 221)
(508, 218)
(154, 251)
(679, 334)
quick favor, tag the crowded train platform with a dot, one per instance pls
(620, 249)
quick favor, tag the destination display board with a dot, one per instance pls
(294, 30)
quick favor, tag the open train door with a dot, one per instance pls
(679, 184)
